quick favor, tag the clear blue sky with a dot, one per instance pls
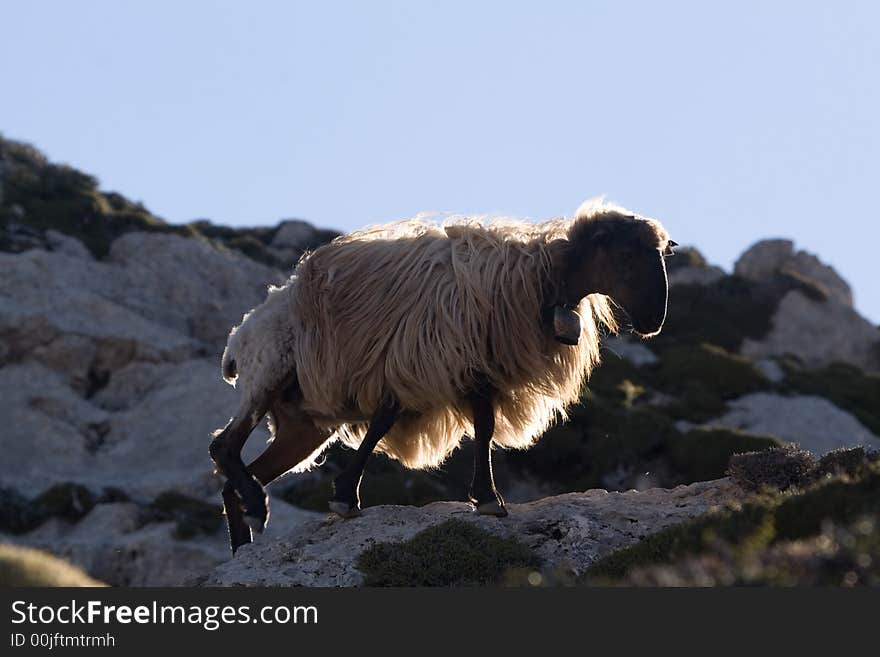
(727, 123)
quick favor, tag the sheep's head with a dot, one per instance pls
(622, 256)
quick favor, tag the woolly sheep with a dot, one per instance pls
(407, 336)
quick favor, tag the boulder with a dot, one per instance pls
(64, 311)
(814, 423)
(188, 285)
(117, 544)
(630, 349)
(567, 532)
(294, 237)
(818, 333)
(768, 257)
(695, 275)
(147, 435)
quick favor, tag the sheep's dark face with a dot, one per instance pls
(638, 284)
(623, 258)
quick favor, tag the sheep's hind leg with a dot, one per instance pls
(484, 496)
(346, 501)
(225, 450)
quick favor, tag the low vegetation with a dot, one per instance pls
(71, 501)
(832, 497)
(23, 566)
(453, 553)
(38, 196)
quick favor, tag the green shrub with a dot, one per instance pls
(846, 461)
(599, 438)
(192, 516)
(453, 553)
(758, 523)
(847, 555)
(49, 196)
(22, 566)
(723, 313)
(66, 500)
(686, 256)
(702, 378)
(386, 481)
(779, 468)
(703, 454)
(17, 513)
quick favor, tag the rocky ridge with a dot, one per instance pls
(111, 326)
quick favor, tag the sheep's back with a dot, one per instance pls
(421, 318)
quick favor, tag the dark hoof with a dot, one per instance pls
(255, 504)
(239, 531)
(257, 516)
(344, 509)
(493, 508)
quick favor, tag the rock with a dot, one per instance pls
(818, 333)
(156, 441)
(768, 257)
(45, 297)
(67, 245)
(635, 352)
(160, 441)
(695, 275)
(188, 285)
(763, 259)
(294, 237)
(567, 532)
(814, 423)
(118, 544)
(770, 369)
(48, 430)
(113, 543)
(293, 234)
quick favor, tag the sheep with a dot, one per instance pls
(407, 336)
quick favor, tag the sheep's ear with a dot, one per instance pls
(669, 246)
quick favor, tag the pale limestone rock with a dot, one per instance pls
(568, 532)
(770, 369)
(115, 544)
(695, 275)
(812, 422)
(768, 257)
(67, 245)
(818, 333)
(292, 234)
(189, 285)
(632, 350)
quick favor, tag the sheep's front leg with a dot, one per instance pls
(239, 531)
(346, 500)
(296, 438)
(484, 496)
(225, 450)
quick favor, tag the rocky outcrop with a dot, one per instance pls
(768, 257)
(814, 423)
(123, 545)
(566, 532)
(111, 326)
(111, 367)
(818, 333)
